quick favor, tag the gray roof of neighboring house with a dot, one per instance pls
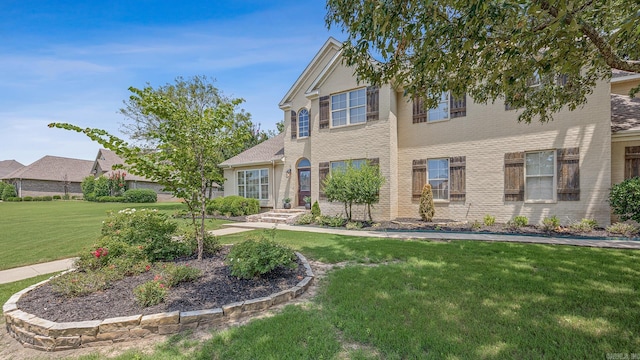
(625, 113)
(107, 159)
(615, 73)
(267, 151)
(9, 166)
(54, 168)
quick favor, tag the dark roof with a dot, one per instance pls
(625, 113)
(267, 151)
(615, 73)
(54, 168)
(9, 166)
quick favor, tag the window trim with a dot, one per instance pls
(300, 112)
(260, 184)
(554, 179)
(447, 102)
(448, 199)
(348, 108)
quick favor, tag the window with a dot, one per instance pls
(303, 123)
(341, 165)
(631, 162)
(438, 178)
(539, 176)
(349, 108)
(448, 107)
(254, 184)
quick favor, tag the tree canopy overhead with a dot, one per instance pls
(491, 50)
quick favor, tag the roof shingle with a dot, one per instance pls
(267, 151)
(54, 168)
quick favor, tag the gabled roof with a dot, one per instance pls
(265, 152)
(9, 166)
(106, 159)
(54, 168)
(625, 113)
(329, 45)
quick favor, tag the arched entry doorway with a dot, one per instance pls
(304, 180)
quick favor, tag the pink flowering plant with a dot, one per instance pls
(117, 183)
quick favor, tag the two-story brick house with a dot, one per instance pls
(477, 157)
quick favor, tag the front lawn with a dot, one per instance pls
(432, 300)
(34, 232)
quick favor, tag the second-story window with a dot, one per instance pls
(349, 108)
(303, 123)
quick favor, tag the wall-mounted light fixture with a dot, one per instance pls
(288, 173)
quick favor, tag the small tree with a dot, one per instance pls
(351, 185)
(624, 199)
(427, 207)
(101, 187)
(87, 185)
(9, 191)
(2, 186)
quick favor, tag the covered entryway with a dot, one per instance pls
(304, 180)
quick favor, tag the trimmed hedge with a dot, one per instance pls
(105, 199)
(233, 205)
(140, 196)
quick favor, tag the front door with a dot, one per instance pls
(304, 185)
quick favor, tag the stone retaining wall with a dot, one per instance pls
(34, 332)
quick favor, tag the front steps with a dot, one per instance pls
(278, 216)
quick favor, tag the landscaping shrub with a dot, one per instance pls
(140, 196)
(210, 243)
(88, 186)
(2, 186)
(305, 219)
(109, 199)
(27, 198)
(550, 224)
(13, 199)
(173, 274)
(151, 293)
(489, 220)
(427, 207)
(584, 225)
(80, 283)
(58, 197)
(9, 191)
(148, 229)
(332, 221)
(517, 222)
(624, 199)
(315, 209)
(353, 225)
(259, 255)
(101, 187)
(234, 205)
(624, 229)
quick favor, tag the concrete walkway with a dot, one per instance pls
(26, 272)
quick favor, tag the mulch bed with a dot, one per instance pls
(215, 288)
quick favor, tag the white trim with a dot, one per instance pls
(625, 135)
(554, 180)
(624, 78)
(331, 43)
(247, 164)
(269, 183)
(324, 74)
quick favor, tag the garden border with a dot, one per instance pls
(40, 334)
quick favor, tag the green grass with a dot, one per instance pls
(34, 232)
(433, 300)
(443, 300)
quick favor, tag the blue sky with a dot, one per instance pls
(73, 61)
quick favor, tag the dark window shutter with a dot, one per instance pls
(294, 125)
(323, 172)
(419, 178)
(458, 106)
(323, 122)
(457, 178)
(374, 162)
(419, 111)
(514, 176)
(568, 174)
(373, 103)
(631, 162)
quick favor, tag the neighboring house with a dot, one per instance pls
(478, 158)
(51, 175)
(103, 165)
(9, 166)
